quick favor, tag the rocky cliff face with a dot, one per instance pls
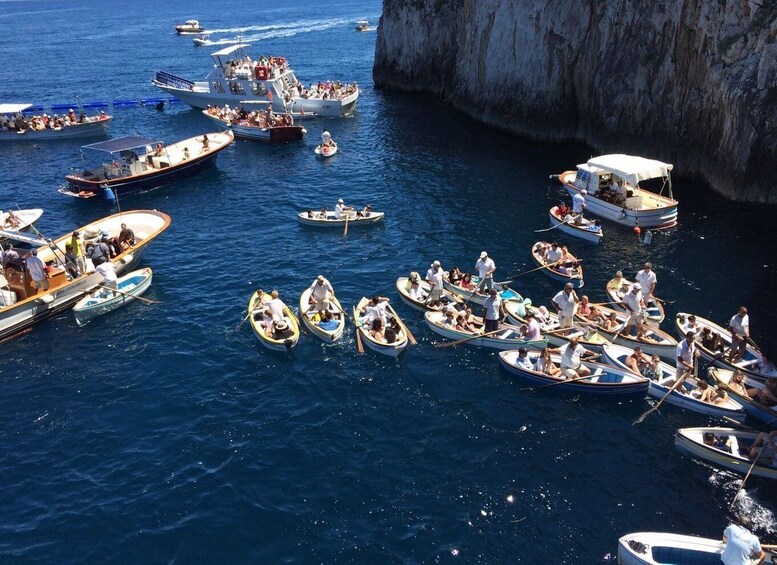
(690, 82)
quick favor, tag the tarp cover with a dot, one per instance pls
(630, 168)
(13, 108)
(121, 144)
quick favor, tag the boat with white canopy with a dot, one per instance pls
(16, 126)
(237, 78)
(621, 188)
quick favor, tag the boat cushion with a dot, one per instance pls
(682, 556)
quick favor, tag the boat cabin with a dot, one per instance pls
(131, 155)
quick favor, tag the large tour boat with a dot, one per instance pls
(620, 188)
(237, 78)
(24, 305)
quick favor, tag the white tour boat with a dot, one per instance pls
(236, 78)
(16, 126)
(628, 203)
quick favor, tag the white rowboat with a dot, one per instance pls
(733, 457)
(570, 228)
(656, 548)
(362, 326)
(327, 219)
(311, 317)
(102, 301)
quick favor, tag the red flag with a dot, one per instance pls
(269, 95)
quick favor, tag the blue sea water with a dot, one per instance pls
(161, 434)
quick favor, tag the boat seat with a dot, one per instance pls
(504, 334)
(684, 556)
(610, 378)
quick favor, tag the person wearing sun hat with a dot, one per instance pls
(434, 276)
(321, 292)
(635, 307)
(485, 267)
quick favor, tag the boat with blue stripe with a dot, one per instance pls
(101, 301)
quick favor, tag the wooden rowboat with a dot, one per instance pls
(328, 219)
(685, 396)
(656, 548)
(604, 379)
(363, 326)
(654, 314)
(691, 441)
(101, 301)
(326, 151)
(311, 318)
(471, 296)
(750, 364)
(255, 314)
(765, 414)
(656, 341)
(573, 229)
(403, 287)
(591, 340)
(558, 272)
(506, 338)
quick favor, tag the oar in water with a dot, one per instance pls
(345, 231)
(146, 300)
(677, 383)
(248, 315)
(359, 344)
(750, 470)
(460, 341)
(545, 266)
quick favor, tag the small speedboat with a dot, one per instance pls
(362, 25)
(327, 219)
(189, 27)
(362, 326)
(728, 448)
(557, 271)
(585, 230)
(326, 151)
(604, 379)
(654, 314)
(657, 548)
(685, 396)
(421, 302)
(313, 320)
(282, 339)
(104, 300)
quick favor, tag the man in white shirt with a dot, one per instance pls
(37, 270)
(685, 355)
(326, 138)
(566, 302)
(341, 209)
(554, 254)
(492, 307)
(742, 547)
(435, 276)
(647, 279)
(376, 309)
(635, 307)
(276, 306)
(485, 267)
(578, 206)
(320, 292)
(523, 360)
(739, 326)
(571, 358)
(108, 273)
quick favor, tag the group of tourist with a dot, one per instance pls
(258, 118)
(20, 122)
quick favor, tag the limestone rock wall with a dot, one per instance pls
(691, 82)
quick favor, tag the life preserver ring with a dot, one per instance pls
(262, 73)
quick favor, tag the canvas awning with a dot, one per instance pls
(121, 144)
(631, 168)
(13, 108)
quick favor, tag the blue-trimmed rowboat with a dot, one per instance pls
(765, 414)
(658, 548)
(734, 455)
(506, 337)
(102, 301)
(136, 167)
(561, 273)
(604, 379)
(472, 297)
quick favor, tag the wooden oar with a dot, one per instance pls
(345, 231)
(460, 341)
(768, 547)
(146, 300)
(554, 227)
(750, 470)
(545, 266)
(754, 344)
(602, 303)
(359, 344)
(248, 315)
(565, 381)
(677, 383)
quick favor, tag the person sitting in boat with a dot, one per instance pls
(617, 282)
(466, 282)
(710, 395)
(375, 308)
(366, 212)
(341, 209)
(767, 453)
(569, 262)
(595, 226)
(267, 323)
(596, 316)
(390, 335)
(326, 139)
(584, 307)
(737, 384)
(545, 364)
(766, 396)
(637, 361)
(646, 335)
(711, 340)
(454, 276)
(126, 237)
(533, 331)
(322, 214)
(415, 291)
(652, 370)
(11, 221)
(281, 330)
(377, 330)
(691, 324)
(328, 321)
(449, 318)
(523, 361)
(716, 441)
(554, 254)
(205, 142)
(185, 153)
(611, 324)
(71, 115)
(562, 209)
(766, 366)
(461, 323)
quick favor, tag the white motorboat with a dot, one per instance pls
(236, 78)
(189, 27)
(325, 151)
(658, 548)
(29, 305)
(582, 230)
(632, 203)
(16, 126)
(18, 221)
(362, 25)
(101, 301)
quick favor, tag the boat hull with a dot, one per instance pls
(131, 285)
(573, 230)
(306, 315)
(689, 441)
(77, 131)
(657, 548)
(331, 222)
(277, 134)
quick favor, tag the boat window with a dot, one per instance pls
(236, 88)
(217, 86)
(258, 88)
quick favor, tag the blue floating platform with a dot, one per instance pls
(93, 105)
(125, 102)
(151, 101)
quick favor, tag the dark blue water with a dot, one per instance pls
(161, 434)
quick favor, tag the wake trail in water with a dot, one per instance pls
(286, 29)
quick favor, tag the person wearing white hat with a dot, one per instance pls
(434, 276)
(578, 206)
(37, 270)
(321, 292)
(635, 307)
(485, 267)
(341, 208)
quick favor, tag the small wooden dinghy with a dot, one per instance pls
(656, 548)
(326, 151)
(604, 379)
(327, 218)
(471, 296)
(730, 451)
(420, 302)
(329, 332)
(750, 364)
(685, 396)
(507, 337)
(277, 341)
(654, 314)
(653, 342)
(761, 412)
(103, 300)
(583, 231)
(363, 327)
(558, 271)
(591, 340)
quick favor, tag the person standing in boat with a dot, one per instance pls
(37, 270)
(686, 355)
(326, 139)
(742, 547)
(647, 278)
(320, 293)
(78, 251)
(435, 276)
(485, 267)
(739, 326)
(635, 306)
(566, 302)
(578, 206)
(492, 307)
(572, 355)
(108, 273)
(341, 210)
